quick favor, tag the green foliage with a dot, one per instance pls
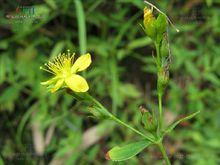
(122, 62)
(127, 151)
(1, 161)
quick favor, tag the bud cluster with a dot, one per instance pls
(155, 28)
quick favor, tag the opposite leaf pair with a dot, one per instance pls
(130, 150)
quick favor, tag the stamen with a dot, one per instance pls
(59, 64)
(46, 70)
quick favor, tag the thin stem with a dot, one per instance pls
(131, 128)
(158, 55)
(160, 110)
(114, 73)
(158, 92)
(114, 118)
(163, 151)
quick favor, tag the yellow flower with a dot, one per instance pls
(64, 70)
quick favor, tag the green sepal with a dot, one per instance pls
(150, 30)
(161, 26)
(127, 151)
(80, 96)
(99, 113)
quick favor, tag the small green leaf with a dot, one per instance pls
(128, 151)
(172, 126)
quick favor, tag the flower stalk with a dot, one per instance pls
(117, 120)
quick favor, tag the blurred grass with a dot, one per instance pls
(81, 26)
(121, 76)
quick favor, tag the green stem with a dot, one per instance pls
(113, 68)
(163, 151)
(131, 128)
(157, 46)
(114, 118)
(160, 111)
(159, 92)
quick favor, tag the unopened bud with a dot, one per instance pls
(149, 121)
(163, 79)
(154, 27)
(149, 23)
(148, 16)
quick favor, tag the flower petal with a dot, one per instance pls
(57, 85)
(81, 63)
(49, 81)
(77, 83)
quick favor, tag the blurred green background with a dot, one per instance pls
(40, 128)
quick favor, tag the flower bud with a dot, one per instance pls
(154, 27)
(148, 16)
(149, 23)
(149, 120)
(161, 26)
(162, 80)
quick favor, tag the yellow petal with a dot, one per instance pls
(57, 85)
(81, 63)
(49, 81)
(77, 83)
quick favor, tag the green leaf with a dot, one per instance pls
(128, 151)
(172, 126)
(209, 2)
(81, 26)
(138, 43)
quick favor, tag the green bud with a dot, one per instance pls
(161, 26)
(149, 23)
(149, 121)
(162, 80)
(154, 28)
